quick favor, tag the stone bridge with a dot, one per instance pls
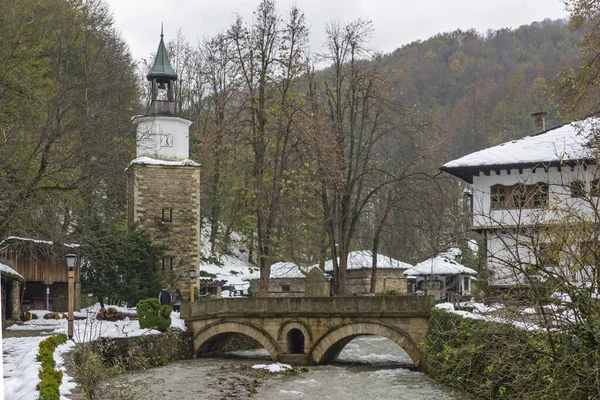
(309, 330)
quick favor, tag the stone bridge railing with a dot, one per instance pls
(358, 306)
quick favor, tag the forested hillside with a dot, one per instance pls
(482, 88)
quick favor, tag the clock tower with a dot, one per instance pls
(163, 183)
(162, 134)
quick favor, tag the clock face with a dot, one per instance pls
(166, 140)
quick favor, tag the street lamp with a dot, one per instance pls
(192, 275)
(384, 275)
(71, 260)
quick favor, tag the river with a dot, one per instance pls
(369, 367)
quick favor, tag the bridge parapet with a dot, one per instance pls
(357, 306)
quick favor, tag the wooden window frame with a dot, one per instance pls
(595, 188)
(167, 261)
(518, 196)
(168, 215)
(578, 189)
(286, 288)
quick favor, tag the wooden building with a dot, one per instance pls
(43, 266)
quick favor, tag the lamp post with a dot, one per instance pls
(384, 278)
(192, 275)
(71, 260)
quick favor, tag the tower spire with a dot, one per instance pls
(163, 77)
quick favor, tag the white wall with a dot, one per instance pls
(560, 206)
(153, 134)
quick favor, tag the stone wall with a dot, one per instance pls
(358, 281)
(278, 287)
(141, 352)
(165, 201)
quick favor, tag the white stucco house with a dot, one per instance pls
(523, 190)
(441, 275)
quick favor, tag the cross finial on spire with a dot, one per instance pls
(161, 30)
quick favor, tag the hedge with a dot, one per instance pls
(50, 378)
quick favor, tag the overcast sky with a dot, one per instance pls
(395, 22)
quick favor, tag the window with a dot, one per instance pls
(167, 263)
(167, 215)
(466, 281)
(285, 288)
(595, 188)
(549, 255)
(578, 189)
(540, 195)
(589, 252)
(519, 196)
(498, 197)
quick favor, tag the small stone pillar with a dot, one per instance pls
(316, 283)
(15, 299)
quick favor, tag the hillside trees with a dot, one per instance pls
(367, 130)
(579, 88)
(270, 55)
(68, 91)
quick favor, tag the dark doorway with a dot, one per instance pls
(295, 339)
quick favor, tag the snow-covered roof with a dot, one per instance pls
(34, 241)
(364, 259)
(439, 265)
(283, 270)
(6, 270)
(153, 161)
(567, 143)
(452, 253)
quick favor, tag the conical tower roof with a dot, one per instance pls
(162, 70)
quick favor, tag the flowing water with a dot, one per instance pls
(369, 367)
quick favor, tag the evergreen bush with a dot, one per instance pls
(153, 315)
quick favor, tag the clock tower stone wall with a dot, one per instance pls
(164, 200)
(163, 184)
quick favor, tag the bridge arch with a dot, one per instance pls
(329, 346)
(283, 335)
(211, 334)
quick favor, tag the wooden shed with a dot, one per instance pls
(43, 266)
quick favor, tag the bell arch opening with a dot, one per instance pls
(331, 345)
(295, 341)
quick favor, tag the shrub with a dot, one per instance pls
(153, 315)
(50, 378)
(501, 361)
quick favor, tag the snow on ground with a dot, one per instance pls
(19, 354)
(273, 368)
(233, 268)
(479, 311)
(67, 384)
(20, 367)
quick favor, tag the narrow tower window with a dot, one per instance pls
(167, 215)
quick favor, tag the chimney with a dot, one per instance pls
(539, 121)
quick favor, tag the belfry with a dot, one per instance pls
(163, 183)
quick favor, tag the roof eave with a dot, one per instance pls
(466, 173)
